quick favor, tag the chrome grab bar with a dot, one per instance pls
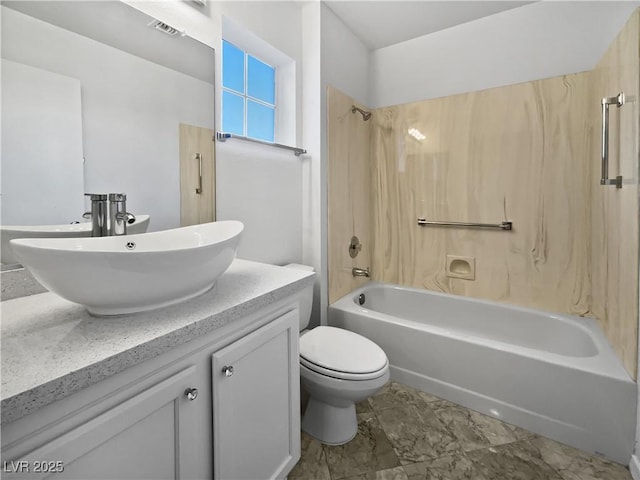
(223, 137)
(618, 101)
(198, 157)
(501, 226)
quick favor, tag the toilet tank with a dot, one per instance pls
(306, 297)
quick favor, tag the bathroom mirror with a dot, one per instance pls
(98, 91)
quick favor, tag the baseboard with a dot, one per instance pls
(634, 467)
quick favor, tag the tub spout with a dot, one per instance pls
(360, 272)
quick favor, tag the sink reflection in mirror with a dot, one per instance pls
(133, 273)
(71, 230)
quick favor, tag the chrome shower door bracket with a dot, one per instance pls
(618, 101)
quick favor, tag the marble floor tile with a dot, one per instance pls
(520, 433)
(369, 451)
(312, 464)
(573, 464)
(416, 433)
(451, 467)
(475, 430)
(363, 407)
(404, 434)
(397, 473)
(469, 433)
(436, 402)
(513, 461)
(395, 394)
(427, 397)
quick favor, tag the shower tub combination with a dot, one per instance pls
(555, 375)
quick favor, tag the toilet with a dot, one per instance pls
(338, 368)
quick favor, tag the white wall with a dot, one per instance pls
(345, 59)
(266, 196)
(262, 186)
(42, 172)
(280, 25)
(334, 56)
(314, 196)
(539, 40)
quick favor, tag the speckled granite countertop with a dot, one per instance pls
(52, 348)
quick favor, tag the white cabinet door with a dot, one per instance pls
(256, 403)
(150, 435)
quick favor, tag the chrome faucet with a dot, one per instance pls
(98, 214)
(360, 272)
(118, 215)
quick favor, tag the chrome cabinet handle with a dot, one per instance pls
(191, 393)
(227, 370)
(198, 157)
(618, 101)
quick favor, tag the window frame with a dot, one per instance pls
(246, 98)
(288, 92)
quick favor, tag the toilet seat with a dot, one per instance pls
(342, 354)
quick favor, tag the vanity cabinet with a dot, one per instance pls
(142, 437)
(225, 406)
(256, 403)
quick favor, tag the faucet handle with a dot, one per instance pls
(96, 196)
(117, 197)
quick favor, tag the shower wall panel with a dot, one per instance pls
(516, 153)
(349, 174)
(614, 212)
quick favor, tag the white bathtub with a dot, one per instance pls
(553, 374)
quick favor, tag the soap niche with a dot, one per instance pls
(461, 267)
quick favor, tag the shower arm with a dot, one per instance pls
(365, 115)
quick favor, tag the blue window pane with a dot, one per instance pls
(260, 121)
(232, 67)
(261, 80)
(232, 113)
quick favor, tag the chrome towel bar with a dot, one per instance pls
(618, 101)
(224, 136)
(501, 226)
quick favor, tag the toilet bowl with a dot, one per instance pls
(338, 368)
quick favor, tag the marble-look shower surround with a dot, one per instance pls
(513, 153)
(528, 153)
(614, 212)
(350, 193)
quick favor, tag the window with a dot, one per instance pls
(248, 94)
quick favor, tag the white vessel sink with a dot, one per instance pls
(132, 273)
(71, 230)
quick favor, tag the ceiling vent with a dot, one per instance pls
(163, 27)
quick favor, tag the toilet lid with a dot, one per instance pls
(340, 350)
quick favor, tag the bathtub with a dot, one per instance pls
(555, 375)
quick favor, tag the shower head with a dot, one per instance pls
(365, 115)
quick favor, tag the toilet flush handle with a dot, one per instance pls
(227, 370)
